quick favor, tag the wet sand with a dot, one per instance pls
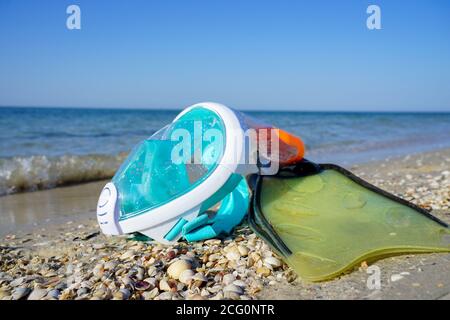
(22, 212)
(51, 249)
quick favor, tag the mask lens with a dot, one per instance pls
(170, 163)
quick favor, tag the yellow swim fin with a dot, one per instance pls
(324, 220)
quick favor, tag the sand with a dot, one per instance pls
(60, 224)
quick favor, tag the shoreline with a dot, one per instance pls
(77, 202)
(68, 258)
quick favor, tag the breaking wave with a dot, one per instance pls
(18, 174)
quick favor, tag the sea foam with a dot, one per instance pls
(32, 173)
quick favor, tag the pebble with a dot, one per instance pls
(396, 277)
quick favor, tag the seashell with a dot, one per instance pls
(37, 294)
(215, 289)
(50, 274)
(255, 256)
(69, 269)
(263, 271)
(211, 242)
(164, 285)
(20, 293)
(127, 281)
(127, 255)
(171, 255)
(4, 293)
(17, 282)
(214, 257)
(140, 274)
(233, 255)
(142, 285)
(204, 293)
(148, 295)
(110, 265)
(228, 279)
(232, 295)
(218, 296)
(102, 293)
(274, 262)
(53, 294)
(153, 281)
(152, 271)
(178, 286)
(199, 276)
(82, 291)
(233, 288)
(122, 294)
(196, 297)
(243, 250)
(165, 296)
(98, 270)
(239, 283)
(176, 268)
(186, 276)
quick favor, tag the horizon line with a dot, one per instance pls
(343, 110)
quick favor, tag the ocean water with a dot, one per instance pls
(48, 147)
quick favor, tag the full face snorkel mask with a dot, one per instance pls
(170, 181)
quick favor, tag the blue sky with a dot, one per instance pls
(253, 54)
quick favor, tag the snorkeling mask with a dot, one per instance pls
(170, 181)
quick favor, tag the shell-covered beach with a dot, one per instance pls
(70, 259)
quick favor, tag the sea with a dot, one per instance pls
(43, 148)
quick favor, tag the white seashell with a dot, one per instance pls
(110, 265)
(239, 283)
(127, 255)
(233, 255)
(214, 257)
(274, 262)
(53, 294)
(17, 282)
(164, 285)
(228, 279)
(199, 277)
(37, 294)
(243, 250)
(20, 293)
(165, 296)
(176, 268)
(186, 276)
(233, 288)
(148, 295)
